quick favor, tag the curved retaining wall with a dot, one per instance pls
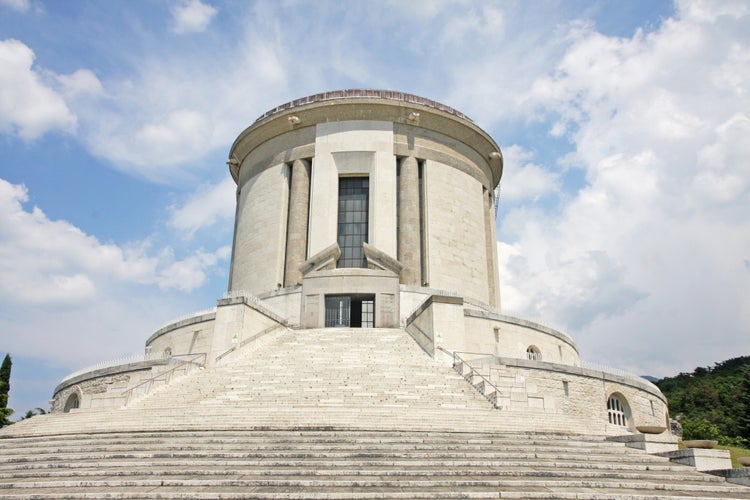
(103, 387)
(189, 335)
(573, 391)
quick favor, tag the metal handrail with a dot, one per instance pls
(473, 371)
(194, 314)
(167, 375)
(236, 294)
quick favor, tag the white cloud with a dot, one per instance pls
(707, 10)
(484, 21)
(19, 5)
(81, 83)
(28, 106)
(191, 16)
(206, 207)
(645, 265)
(178, 136)
(48, 261)
(59, 281)
(162, 123)
(190, 273)
(523, 180)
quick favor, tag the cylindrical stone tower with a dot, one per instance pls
(354, 198)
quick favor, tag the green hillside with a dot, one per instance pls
(712, 403)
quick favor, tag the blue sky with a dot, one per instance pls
(625, 208)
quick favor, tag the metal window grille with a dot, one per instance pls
(533, 354)
(616, 412)
(338, 310)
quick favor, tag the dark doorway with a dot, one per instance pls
(353, 311)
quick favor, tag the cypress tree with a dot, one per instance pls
(5, 412)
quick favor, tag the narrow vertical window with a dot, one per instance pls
(354, 198)
(616, 411)
(425, 280)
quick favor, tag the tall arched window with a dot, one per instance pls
(617, 411)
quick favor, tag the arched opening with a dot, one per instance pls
(72, 402)
(533, 353)
(167, 353)
(617, 410)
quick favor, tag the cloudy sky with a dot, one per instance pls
(624, 215)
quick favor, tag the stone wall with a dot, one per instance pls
(353, 281)
(353, 148)
(501, 335)
(285, 303)
(579, 393)
(258, 255)
(191, 335)
(455, 249)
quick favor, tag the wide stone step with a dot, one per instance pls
(360, 469)
(366, 484)
(372, 493)
(323, 454)
(305, 445)
(476, 466)
(342, 464)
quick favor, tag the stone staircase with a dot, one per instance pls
(338, 464)
(334, 413)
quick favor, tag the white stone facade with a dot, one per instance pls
(429, 258)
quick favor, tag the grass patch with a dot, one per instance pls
(736, 452)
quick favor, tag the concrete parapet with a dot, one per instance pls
(700, 458)
(736, 476)
(239, 318)
(650, 443)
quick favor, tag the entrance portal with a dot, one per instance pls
(353, 311)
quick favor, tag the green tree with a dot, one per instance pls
(713, 394)
(742, 421)
(33, 413)
(5, 412)
(699, 429)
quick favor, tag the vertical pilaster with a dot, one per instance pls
(491, 249)
(296, 236)
(409, 241)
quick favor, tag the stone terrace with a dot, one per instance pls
(335, 413)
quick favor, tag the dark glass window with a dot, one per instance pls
(354, 198)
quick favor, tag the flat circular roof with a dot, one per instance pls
(364, 93)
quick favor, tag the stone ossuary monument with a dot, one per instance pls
(363, 298)
(376, 209)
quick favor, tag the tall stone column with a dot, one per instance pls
(409, 241)
(296, 235)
